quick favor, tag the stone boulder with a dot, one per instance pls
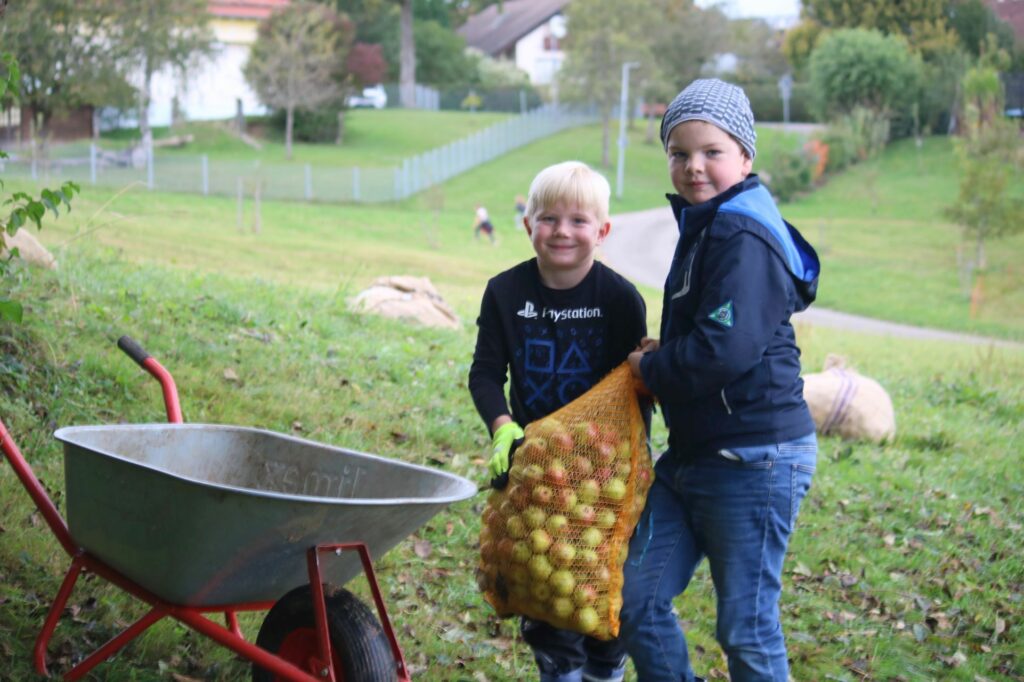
(404, 297)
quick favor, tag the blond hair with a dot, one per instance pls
(572, 182)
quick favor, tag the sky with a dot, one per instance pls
(757, 8)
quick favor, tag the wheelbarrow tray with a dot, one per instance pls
(209, 515)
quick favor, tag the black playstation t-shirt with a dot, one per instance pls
(555, 343)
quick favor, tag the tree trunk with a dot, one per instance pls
(407, 58)
(144, 96)
(289, 122)
(980, 253)
(649, 135)
(340, 139)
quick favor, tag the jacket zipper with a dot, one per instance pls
(726, 403)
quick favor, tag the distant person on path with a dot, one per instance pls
(483, 223)
(555, 325)
(742, 445)
(520, 208)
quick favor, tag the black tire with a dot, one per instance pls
(360, 647)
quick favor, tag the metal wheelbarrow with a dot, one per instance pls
(198, 519)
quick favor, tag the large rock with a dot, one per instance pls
(406, 298)
(848, 404)
(29, 249)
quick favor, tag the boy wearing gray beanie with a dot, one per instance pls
(726, 370)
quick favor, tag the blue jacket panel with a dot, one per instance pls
(728, 369)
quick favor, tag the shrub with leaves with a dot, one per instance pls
(21, 208)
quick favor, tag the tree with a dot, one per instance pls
(922, 22)
(989, 155)
(21, 208)
(603, 35)
(973, 20)
(66, 60)
(161, 33)
(441, 57)
(298, 59)
(861, 67)
(407, 56)
(758, 49)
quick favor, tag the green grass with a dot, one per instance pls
(373, 138)
(905, 554)
(906, 560)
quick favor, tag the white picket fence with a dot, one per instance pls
(202, 175)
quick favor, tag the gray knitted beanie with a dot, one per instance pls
(716, 102)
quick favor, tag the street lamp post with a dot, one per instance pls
(623, 114)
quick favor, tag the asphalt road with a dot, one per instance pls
(641, 244)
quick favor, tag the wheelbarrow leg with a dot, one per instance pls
(231, 620)
(115, 644)
(56, 609)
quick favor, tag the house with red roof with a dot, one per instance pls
(529, 33)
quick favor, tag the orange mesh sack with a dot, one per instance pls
(553, 542)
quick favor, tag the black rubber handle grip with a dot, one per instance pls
(500, 482)
(132, 349)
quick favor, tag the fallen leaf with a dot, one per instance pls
(399, 437)
(422, 548)
(230, 375)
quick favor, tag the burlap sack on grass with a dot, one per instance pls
(553, 543)
(406, 298)
(29, 249)
(849, 404)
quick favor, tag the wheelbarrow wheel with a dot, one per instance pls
(360, 648)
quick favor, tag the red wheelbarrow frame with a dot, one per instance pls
(230, 635)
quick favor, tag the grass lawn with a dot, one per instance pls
(905, 564)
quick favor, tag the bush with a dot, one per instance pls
(766, 102)
(855, 137)
(320, 125)
(860, 67)
(790, 172)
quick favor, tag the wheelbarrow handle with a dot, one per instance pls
(147, 362)
(133, 350)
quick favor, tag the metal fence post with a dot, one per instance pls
(204, 164)
(309, 182)
(149, 167)
(355, 183)
(92, 163)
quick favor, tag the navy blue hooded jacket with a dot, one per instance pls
(728, 369)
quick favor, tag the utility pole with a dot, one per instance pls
(623, 115)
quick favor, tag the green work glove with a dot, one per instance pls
(501, 447)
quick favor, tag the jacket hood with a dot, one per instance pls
(751, 199)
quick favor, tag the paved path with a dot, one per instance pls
(641, 245)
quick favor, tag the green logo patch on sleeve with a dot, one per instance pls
(723, 314)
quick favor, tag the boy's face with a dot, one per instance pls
(564, 237)
(704, 161)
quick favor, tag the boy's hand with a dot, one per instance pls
(647, 345)
(501, 447)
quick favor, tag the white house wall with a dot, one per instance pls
(531, 57)
(210, 91)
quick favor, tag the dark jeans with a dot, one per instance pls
(737, 508)
(567, 656)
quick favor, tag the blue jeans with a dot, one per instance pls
(737, 508)
(567, 656)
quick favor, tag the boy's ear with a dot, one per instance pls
(603, 231)
(526, 224)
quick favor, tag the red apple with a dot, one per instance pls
(539, 541)
(533, 473)
(586, 432)
(547, 426)
(487, 550)
(561, 442)
(623, 469)
(588, 558)
(565, 499)
(605, 453)
(520, 495)
(504, 549)
(603, 473)
(555, 473)
(562, 582)
(562, 553)
(624, 451)
(541, 495)
(582, 467)
(583, 513)
(584, 594)
(507, 509)
(518, 574)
